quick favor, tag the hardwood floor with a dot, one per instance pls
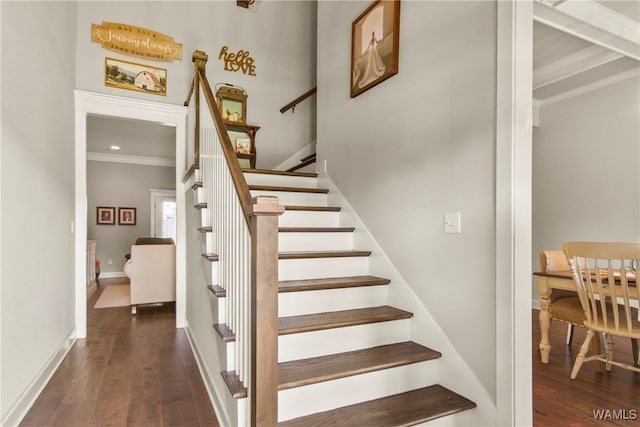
(560, 401)
(129, 371)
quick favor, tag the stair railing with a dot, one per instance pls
(292, 105)
(246, 242)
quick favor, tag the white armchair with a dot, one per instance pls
(152, 273)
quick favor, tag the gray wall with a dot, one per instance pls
(416, 146)
(122, 185)
(586, 182)
(37, 190)
(280, 35)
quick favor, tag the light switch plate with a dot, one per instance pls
(452, 223)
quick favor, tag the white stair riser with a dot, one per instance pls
(307, 302)
(309, 219)
(294, 198)
(203, 218)
(200, 195)
(280, 180)
(329, 395)
(210, 241)
(339, 340)
(317, 268)
(315, 241)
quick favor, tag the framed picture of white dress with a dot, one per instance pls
(375, 41)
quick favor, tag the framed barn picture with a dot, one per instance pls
(131, 76)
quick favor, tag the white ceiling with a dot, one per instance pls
(139, 141)
(580, 45)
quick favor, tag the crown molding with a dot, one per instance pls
(588, 88)
(130, 159)
(573, 64)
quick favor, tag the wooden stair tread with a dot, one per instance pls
(225, 333)
(404, 409)
(196, 185)
(330, 283)
(217, 291)
(297, 373)
(205, 229)
(211, 257)
(339, 319)
(322, 254)
(316, 229)
(313, 208)
(200, 206)
(316, 284)
(281, 173)
(314, 190)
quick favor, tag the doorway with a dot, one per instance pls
(88, 103)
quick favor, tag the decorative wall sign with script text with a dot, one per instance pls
(136, 41)
(240, 61)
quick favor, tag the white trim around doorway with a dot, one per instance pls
(90, 103)
(513, 213)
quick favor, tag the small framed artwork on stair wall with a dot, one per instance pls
(105, 215)
(126, 216)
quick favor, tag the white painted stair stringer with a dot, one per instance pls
(453, 371)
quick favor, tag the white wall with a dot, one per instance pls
(280, 36)
(37, 195)
(586, 183)
(122, 185)
(416, 146)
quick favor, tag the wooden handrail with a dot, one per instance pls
(292, 105)
(237, 176)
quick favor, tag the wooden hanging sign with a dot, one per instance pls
(136, 41)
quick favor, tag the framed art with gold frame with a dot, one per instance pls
(375, 42)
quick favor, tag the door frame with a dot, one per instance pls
(513, 175)
(156, 194)
(91, 103)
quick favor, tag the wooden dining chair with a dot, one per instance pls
(564, 305)
(604, 273)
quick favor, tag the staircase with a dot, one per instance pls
(345, 356)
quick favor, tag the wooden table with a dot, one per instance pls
(546, 283)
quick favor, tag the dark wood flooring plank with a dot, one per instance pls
(129, 371)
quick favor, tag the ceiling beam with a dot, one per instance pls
(573, 64)
(590, 21)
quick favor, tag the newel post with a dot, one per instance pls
(264, 310)
(199, 59)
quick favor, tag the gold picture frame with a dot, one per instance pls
(375, 42)
(137, 77)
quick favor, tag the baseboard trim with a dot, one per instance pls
(24, 402)
(206, 379)
(112, 274)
